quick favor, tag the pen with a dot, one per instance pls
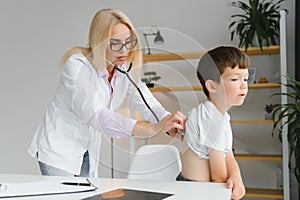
(76, 184)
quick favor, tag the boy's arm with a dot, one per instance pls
(217, 162)
(234, 181)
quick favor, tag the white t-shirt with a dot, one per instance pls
(207, 128)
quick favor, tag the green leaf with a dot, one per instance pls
(288, 114)
(260, 18)
(298, 105)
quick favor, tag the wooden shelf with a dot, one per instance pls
(176, 88)
(197, 88)
(263, 85)
(198, 54)
(251, 121)
(268, 157)
(264, 193)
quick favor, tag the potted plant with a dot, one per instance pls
(268, 111)
(290, 111)
(260, 20)
(151, 76)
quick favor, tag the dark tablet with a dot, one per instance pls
(129, 194)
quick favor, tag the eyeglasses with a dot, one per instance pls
(118, 46)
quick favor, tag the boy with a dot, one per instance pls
(223, 74)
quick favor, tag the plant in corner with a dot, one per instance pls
(260, 19)
(291, 112)
(151, 77)
(268, 108)
(268, 111)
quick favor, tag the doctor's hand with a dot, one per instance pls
(172, 123)
(178, 132)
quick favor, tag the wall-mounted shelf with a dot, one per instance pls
(251, 51)
(190, 88)
(251, 121)
(264, 193)
(268, 157)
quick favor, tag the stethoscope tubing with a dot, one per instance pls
(138, 89)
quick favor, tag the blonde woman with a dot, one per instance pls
(68, 140)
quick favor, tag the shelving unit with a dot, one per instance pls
(252, 51)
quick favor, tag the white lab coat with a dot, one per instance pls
(73, 123)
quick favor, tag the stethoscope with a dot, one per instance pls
(140, 93)
(138, 89)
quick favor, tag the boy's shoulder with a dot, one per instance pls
(206, 111)
(202, 111)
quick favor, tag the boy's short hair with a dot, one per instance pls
(213, 63)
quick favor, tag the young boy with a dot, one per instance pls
(223, 74)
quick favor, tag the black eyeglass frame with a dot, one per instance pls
(123, 45)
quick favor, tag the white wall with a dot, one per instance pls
(34, 35)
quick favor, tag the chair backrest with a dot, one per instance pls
(155, 162)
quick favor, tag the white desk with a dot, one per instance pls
(181, 190)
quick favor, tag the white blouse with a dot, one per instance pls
(82, 109)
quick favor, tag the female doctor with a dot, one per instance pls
(67, 141)
(91, 88)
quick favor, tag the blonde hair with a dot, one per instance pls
(99, 35)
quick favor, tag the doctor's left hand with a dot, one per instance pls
(172, 123)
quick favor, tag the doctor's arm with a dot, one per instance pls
(117, 125)
(171, 123)
(234, 181)
(167, 124)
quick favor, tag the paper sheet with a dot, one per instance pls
(41, 188)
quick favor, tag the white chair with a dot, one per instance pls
(155, 162)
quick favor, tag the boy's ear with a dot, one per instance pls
(211, 86)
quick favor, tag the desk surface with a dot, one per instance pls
(181, 190)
